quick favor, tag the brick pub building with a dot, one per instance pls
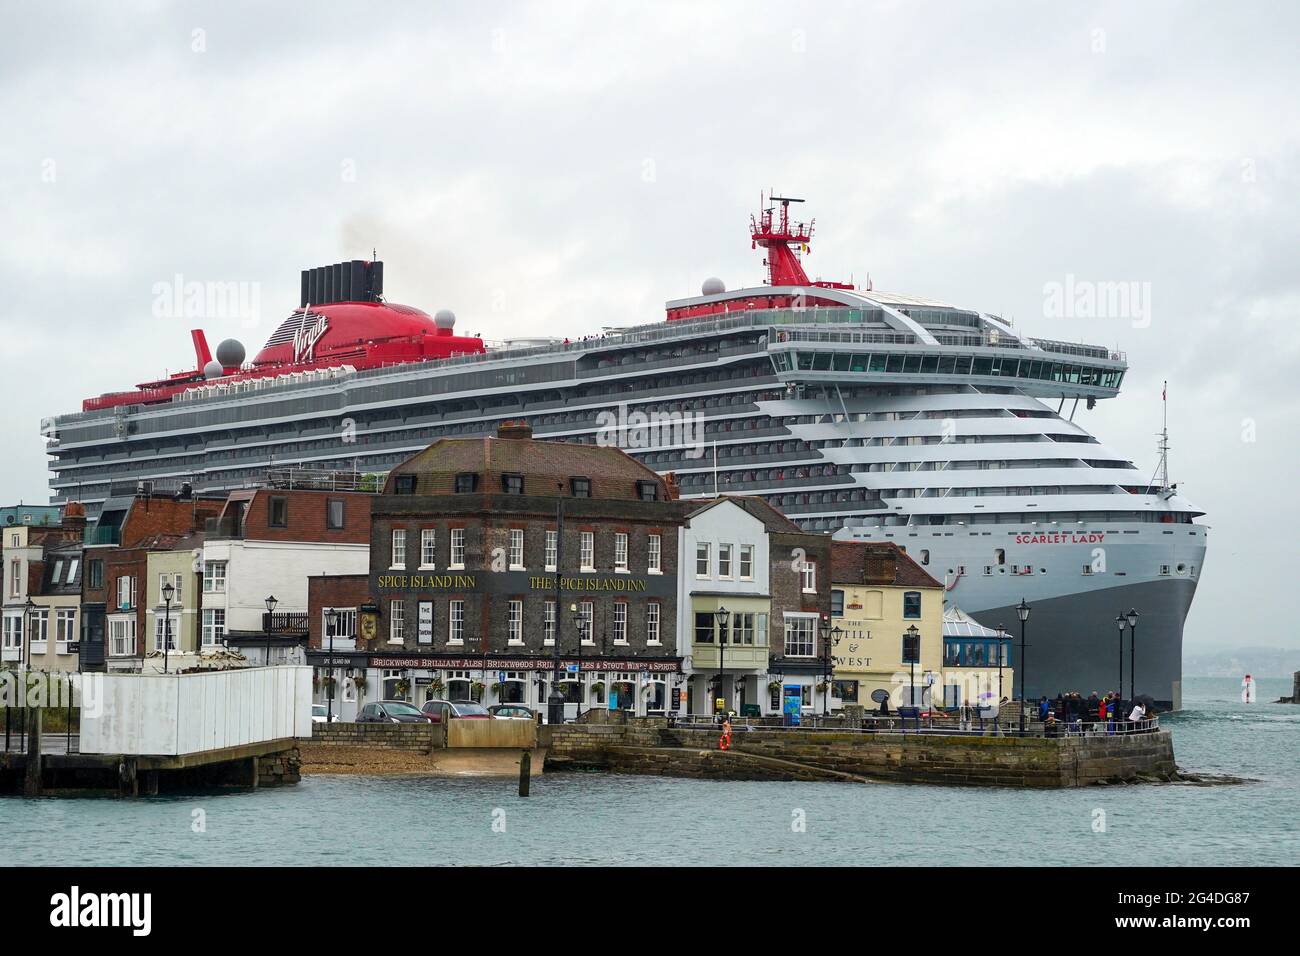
(473, 582)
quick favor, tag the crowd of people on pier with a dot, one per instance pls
(1072, 710)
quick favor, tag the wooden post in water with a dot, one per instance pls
(32, 778)
(525, 772)
(128, 781)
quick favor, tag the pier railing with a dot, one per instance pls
(1002, 726)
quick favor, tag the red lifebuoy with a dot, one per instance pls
(724, 742)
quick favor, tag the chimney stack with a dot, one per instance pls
(515, 431)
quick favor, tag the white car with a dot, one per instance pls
(320, 714)
(511, 712)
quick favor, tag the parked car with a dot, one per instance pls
(320, 714)
(390, 712)
(459, 708)
(512, 712)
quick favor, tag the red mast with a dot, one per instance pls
(784, 243)
(782, 261)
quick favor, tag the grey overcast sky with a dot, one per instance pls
(553, 168)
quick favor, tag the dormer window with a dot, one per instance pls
(512, 484)
(404, 485)
(647, 490)
(580, 487)
(466, 483)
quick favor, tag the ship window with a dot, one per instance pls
(404, 485)
(580, 487)
(925, 555)
(466, 483)
(512, 484)
(1001, 555)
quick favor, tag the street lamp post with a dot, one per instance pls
(1132, 653)
(1121, 622)
(554, 702)
(1022, 612)
(1002, 637)
(332, 619)
(168, 592)
(25, 650)
(912, 651)
(270, 602)
(604, 655)
(723, 617)
(24, 665)
(831, 637)
(580, 625)
(824, 628)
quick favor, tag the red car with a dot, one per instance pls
(432, 709)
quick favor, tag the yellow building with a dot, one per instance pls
(878, 596)
(177, 568)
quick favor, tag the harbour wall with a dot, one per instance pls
(450, 748)
(650, 746)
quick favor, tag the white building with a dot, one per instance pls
(266, 544)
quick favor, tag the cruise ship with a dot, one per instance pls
(862, 414)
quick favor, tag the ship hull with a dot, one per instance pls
(1074, 645)
(1072, 638)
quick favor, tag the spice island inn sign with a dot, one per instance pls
(516, 581)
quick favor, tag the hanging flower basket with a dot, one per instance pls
(436, 686)
(328, 683)
(498, 687)
(773, 685)
(402, 686)
(598, 687)
(476, 688)
(359, 681)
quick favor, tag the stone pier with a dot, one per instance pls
(650, 746)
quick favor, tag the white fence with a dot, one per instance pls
(173, 714)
